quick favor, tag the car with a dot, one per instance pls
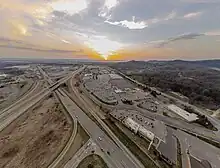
(108, 152)
(88, 144)
(100, 138)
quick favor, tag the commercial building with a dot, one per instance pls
(137, 128)
(182, 113)
(115, 76)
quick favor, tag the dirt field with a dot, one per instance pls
(92, 161)
(35, 138)
(11, 93)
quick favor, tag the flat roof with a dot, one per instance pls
(115, 76)
(186, 115)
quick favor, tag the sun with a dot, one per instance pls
(103, 46)
(105, 57)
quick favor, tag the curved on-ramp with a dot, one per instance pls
(61, 155)
(60, 93)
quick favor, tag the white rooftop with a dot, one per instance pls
(186, 115)
(115, 76)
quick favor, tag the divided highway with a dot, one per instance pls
(119, 152)
(119, 156)
(23, 98)
(18, 109)
(60, 95)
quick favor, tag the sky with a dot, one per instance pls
(110, 29)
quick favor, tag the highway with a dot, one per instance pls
(203, 132)
(102, 140)
(88, 125)
(210, 153)
(89, 147)
(29, 101)
(83, 152)
(118, 157)
(61, 97)
(23, 98)
(189, 142)
(119, 153)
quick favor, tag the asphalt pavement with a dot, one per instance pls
(117, 157)
(197, 148)
(114, 155)
(17, 109)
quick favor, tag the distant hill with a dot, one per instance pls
(4, 62)
(133, 63)
(209, 63)
(194, 79)
(206, 63)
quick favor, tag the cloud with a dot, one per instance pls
(107, 7)
(21, 16)
(170, 16)
(200, 1)
(8, 43)
(69, 6)
(65, 41)
(18, 44)
(109, 4)
(162, 43)
(213, 33)
(192, 15)
(142, 24)
(185, 36)
(130, 24)
(42, 50)
(101, 44)
(19, 27)
(105, 26)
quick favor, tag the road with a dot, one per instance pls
(198, 148)
(182, 125)
(83, 152)
(59, 158)
(213, 120)
(86, 150)
(88, 125)
(211, 135)
(61, 95)
(18, 109)
(23, 98)
(117, 157)
(121, 156)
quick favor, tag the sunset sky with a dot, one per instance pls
(110, 29)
